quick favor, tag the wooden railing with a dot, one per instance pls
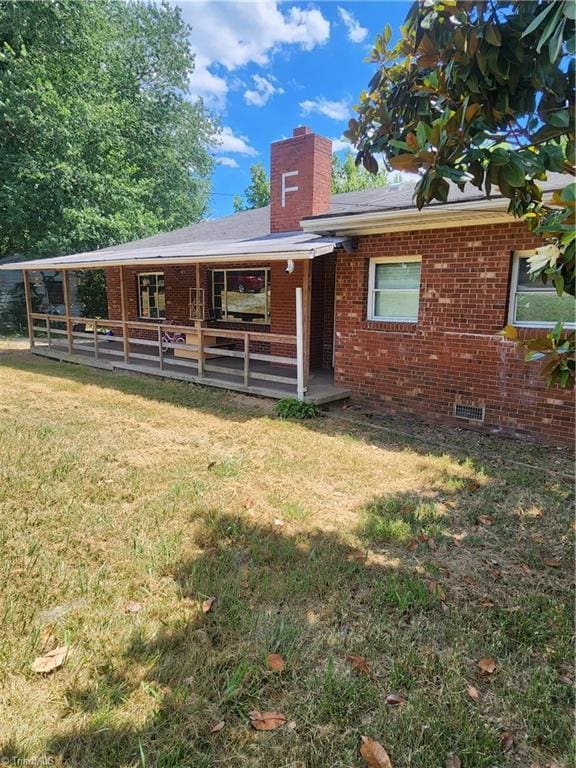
(206, 354)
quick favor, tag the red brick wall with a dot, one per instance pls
(311, 156)
(454, 354)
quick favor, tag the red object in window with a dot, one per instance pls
(245, 283)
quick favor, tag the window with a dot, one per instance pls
(533, 304)
(151, 295)
(241, 295)
(394, 288)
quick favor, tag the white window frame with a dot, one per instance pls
(537, 288)
(372, 290)
(149, 274)
(224, 294)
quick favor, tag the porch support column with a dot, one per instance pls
(28, 297)
(67, 310)
(300, 387)
(307, 314)
(123, 313)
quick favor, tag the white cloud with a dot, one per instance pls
(263, 90)
(339, 144)
(228, 162)
(229, 143)
(335, 110)
(356, 32)
(228, 35)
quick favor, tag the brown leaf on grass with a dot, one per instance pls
(506, 741)
(374, 754)
(485, 519)
(266, 721)
(395, 700)
(431, 544)
(275, 662)
(496, 573)
(487, 604)
(51, 660)
(217, 726)
(551, 562)
(132, 607)
(436, 590)
(473, 692)
(487, 665)
(357, 555)
(207, 604)
(537, 538)
(359, 663)
(412, 545)
(453, 761)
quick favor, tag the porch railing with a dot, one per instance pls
(245, 358)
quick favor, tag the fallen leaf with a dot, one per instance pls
(357, 555)
(496, 573)
(453, 761)
(266, 721)
(473, 692)
(374, 754)
(506, 741)
(412, 545)
(211, 464)
(436, 590)
(485, 519)
(217, 726)
(132, 607)
(207, 604)
(275, 662)
(431, 544)
(395, 700)
(537, 538)
(359, 663)
(51, 660)
(487, 604)
(551, 562)
(487, 665)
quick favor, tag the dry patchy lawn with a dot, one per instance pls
(420, 550)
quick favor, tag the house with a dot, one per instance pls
(328, 297)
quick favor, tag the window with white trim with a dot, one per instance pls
(533, 304)
(394, 288)
(151, 295)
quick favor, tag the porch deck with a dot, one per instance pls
(239, 370)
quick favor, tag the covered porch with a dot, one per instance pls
(240, 356)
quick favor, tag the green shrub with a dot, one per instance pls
(290, 408)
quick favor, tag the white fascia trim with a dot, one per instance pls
(33, 266)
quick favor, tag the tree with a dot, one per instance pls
(347, 176)
(481, 93)
(100, 143)
(257, 193)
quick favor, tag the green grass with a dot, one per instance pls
(117, 488)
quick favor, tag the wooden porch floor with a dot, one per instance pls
(229, 374)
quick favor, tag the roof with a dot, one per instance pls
(281, 247)
(249, 230)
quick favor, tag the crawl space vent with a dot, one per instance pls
(472, 412)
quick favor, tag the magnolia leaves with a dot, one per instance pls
(267, 721)
(374, 754)
(51, 660)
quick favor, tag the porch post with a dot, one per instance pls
(66, 284)
(306, 308)
(123, 313)
(28, 306)
(300, 388)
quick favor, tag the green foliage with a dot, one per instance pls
(481, 93)
(290, 408)
(99, 143)
(347, 176)
(14, 318)
(257, 193)
(92, 292)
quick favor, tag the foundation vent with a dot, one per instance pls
(471, 412)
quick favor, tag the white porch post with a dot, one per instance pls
(300, 388)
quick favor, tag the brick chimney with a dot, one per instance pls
(300, 179)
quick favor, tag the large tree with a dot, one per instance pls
(482, 92)
(99, 143)
(257, 193)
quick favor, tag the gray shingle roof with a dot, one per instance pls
(249, 225)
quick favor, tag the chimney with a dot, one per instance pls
(300, 179)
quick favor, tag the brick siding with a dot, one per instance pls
(455, 353)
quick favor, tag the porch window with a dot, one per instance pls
(394, 288)
(533, 304)
(241, 295)
(151, 295)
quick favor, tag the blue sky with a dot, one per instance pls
(266, 67)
